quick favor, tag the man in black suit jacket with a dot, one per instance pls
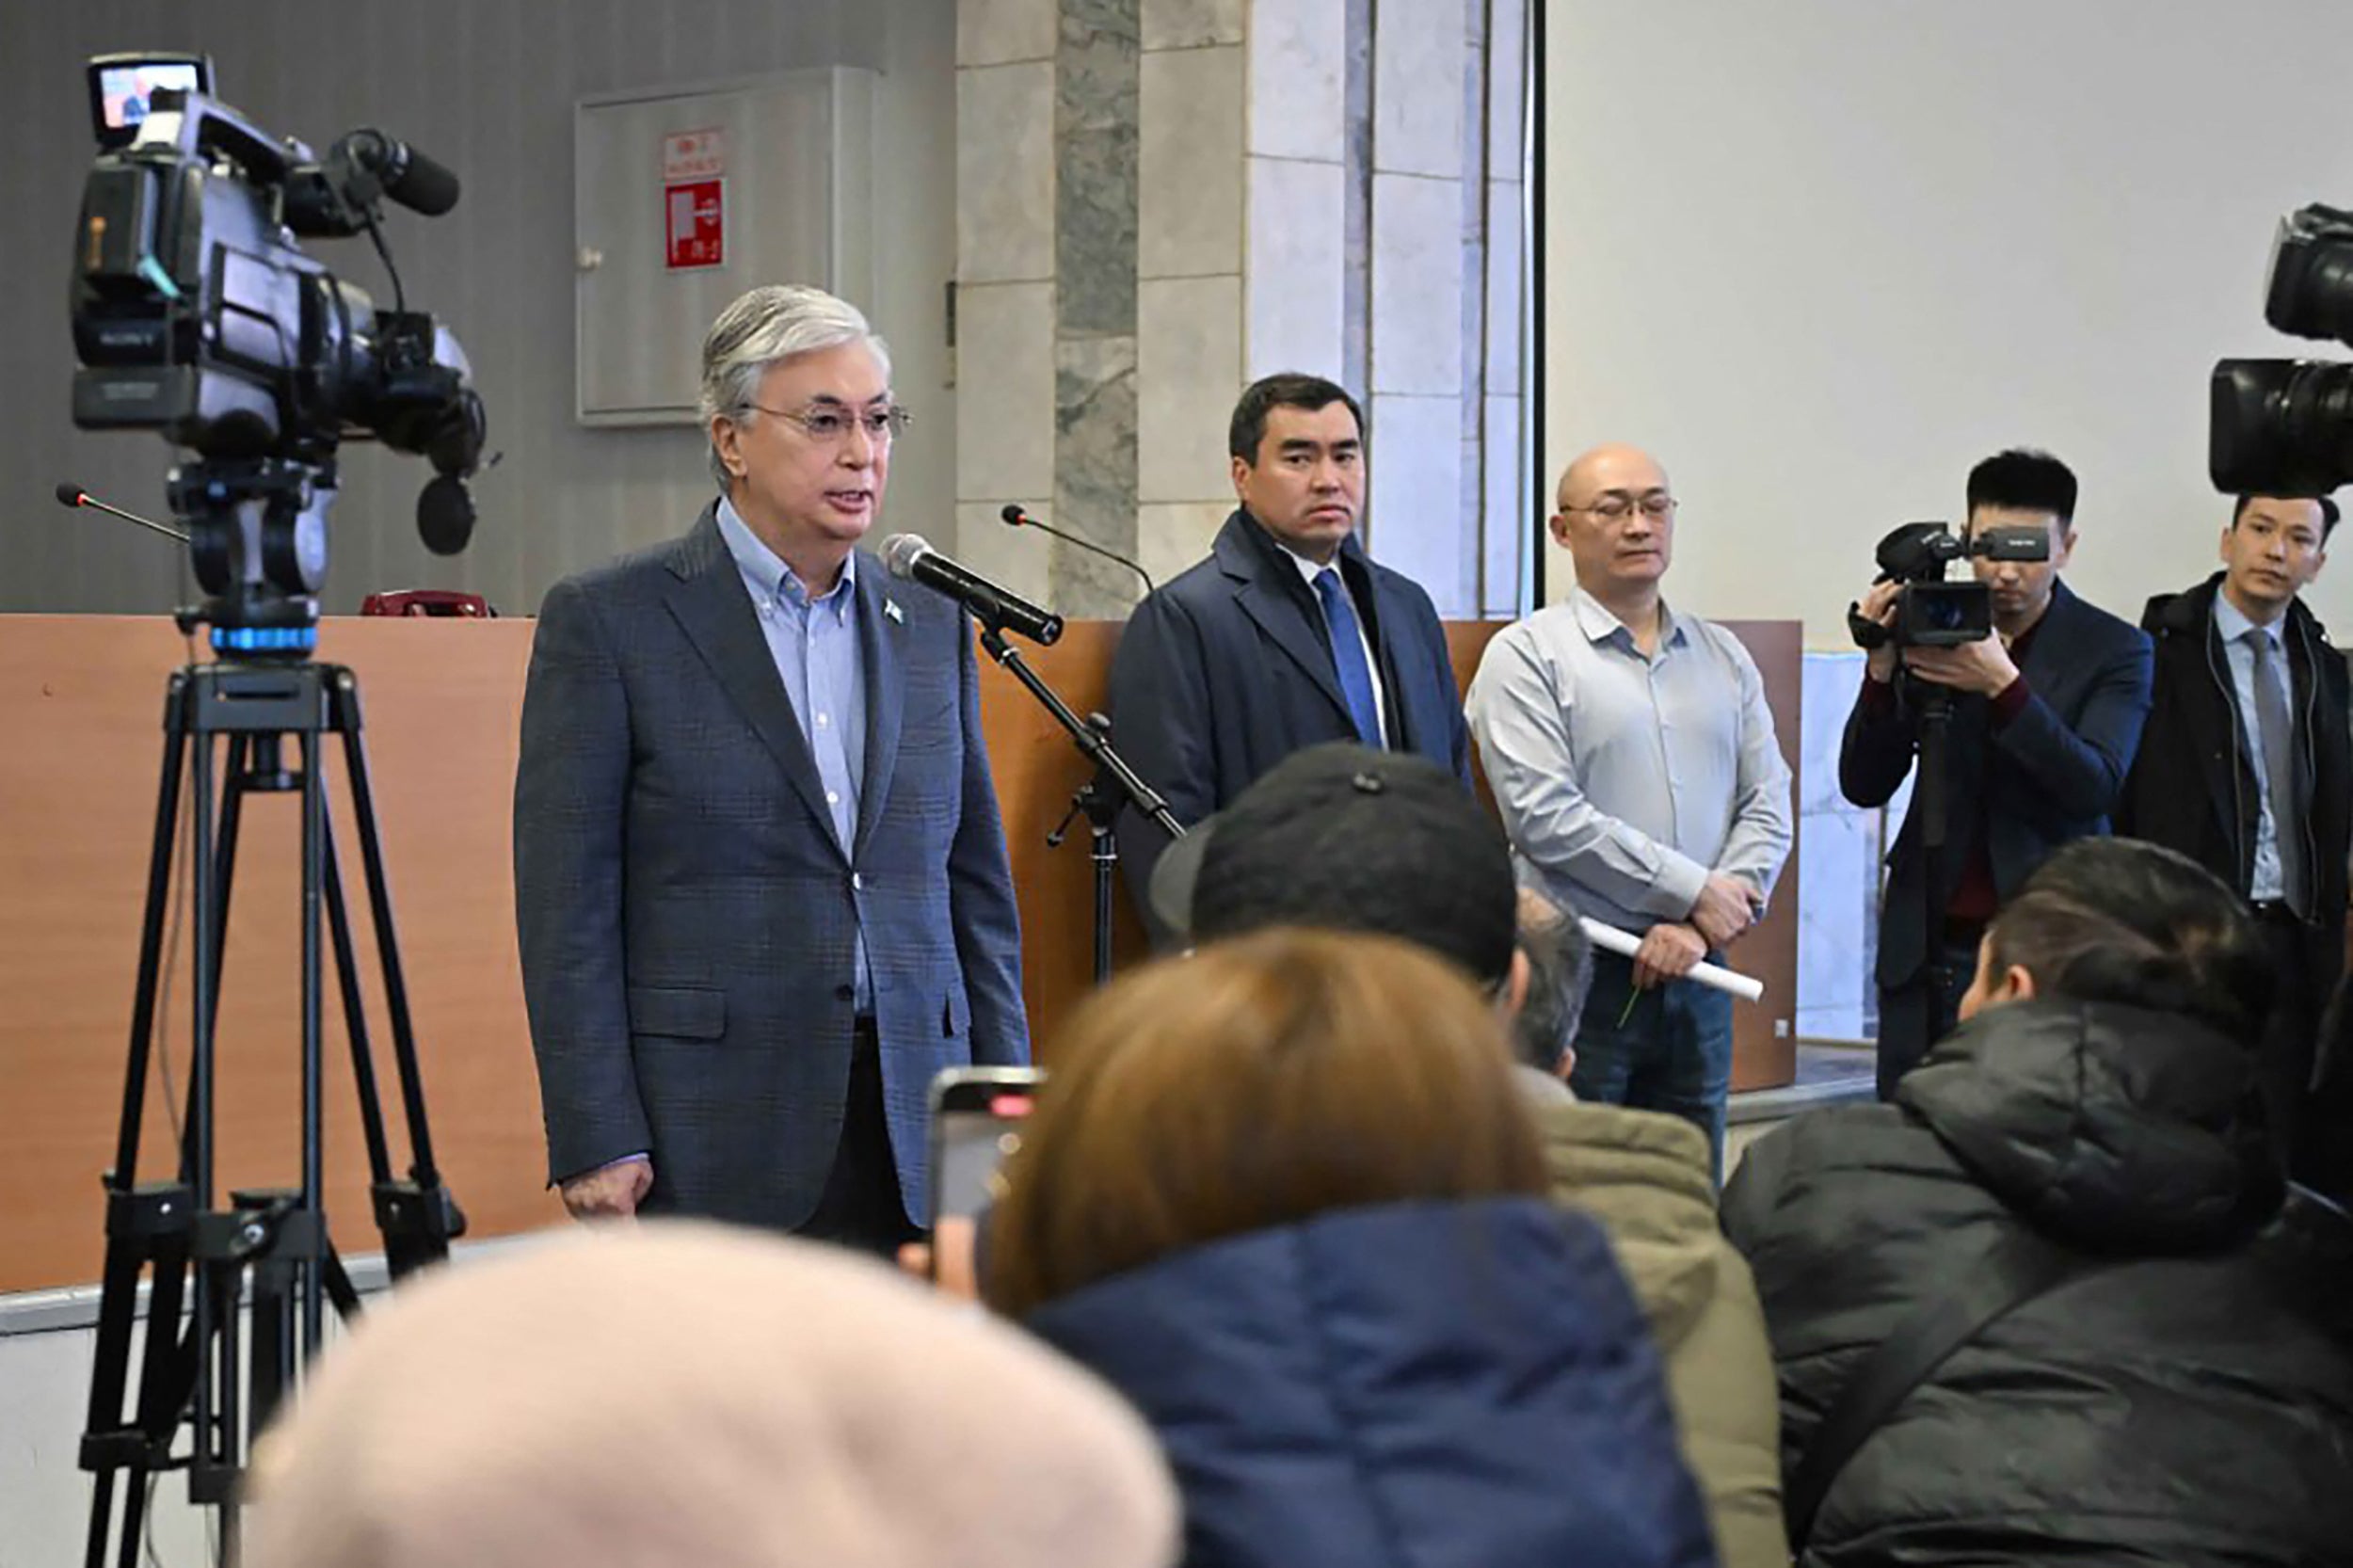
(760, 880)
(1287, 635)
(2204, 783)
(2046, 714)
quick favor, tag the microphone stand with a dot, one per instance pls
(1114, 787)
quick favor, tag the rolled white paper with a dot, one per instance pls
(1747, 988)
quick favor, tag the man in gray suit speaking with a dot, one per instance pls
(759, 874)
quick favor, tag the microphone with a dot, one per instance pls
(1015, 518)
(72, 495)
(407, 175)
(911, 556)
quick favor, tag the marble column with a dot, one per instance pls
(1160, 201)
(1096, 108)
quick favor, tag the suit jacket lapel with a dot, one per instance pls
(715, 610)
(1267, 600)
(879, 635)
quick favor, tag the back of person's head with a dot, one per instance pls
(1559, 972)
(2024, 480)
(1343, 837)
(2119, 921)
(1258, 1082)
(683, 1394)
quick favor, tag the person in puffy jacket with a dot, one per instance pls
(2187, 1397)
(1283, 1195)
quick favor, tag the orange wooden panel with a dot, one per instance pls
(80, 700)
(81, 705)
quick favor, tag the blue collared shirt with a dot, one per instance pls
(2264, 878)
(814, 643)
(1624, 778)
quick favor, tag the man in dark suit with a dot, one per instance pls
(1287, 635)
(2046, 714)
(759, 874)
(2246, 766)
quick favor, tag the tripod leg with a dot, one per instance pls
(313, 1196)
(109, 1446)
(356, 1018)
(417, 1227)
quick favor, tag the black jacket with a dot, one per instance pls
(1224, 672)
(2193, 787)
(2190, 1405)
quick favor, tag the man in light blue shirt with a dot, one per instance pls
(2245, 767)
(1633, 758)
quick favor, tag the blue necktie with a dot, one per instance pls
(1348, 655)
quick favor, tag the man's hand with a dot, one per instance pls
(1723, 910)
(1879, 604)
(610, 1192)
(1983, 667)
(1668, 952)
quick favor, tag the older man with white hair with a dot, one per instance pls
(759, 872)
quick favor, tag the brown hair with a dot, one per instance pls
(1258, 1082)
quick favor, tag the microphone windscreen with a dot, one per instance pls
(1012, 514)
(444, 515)
(423, 185)
(70, 495)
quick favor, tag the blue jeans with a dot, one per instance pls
(1671, 1052)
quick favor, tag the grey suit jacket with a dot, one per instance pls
(687, 916)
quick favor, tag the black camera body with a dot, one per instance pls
(2285, 427)
(1932, 611)
(197, 314)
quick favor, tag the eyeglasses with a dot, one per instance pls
(1617, 508)
(831, 427)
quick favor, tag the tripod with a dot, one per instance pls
(200, 1257)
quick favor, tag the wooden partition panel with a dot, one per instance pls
(80, 703)
(81, 707)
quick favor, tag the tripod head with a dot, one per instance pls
(257, 538)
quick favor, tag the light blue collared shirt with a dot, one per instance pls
(814, 643)
(1624, 778)
(2264, 878)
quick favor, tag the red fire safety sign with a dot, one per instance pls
(695, 219)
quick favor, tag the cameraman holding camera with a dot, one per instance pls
(2045, 716)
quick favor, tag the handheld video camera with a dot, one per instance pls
(2285, 427)
(197, 315)
(1929, 610)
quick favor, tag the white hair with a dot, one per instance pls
(763, 327)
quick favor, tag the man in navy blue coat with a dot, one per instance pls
(760, 880)
(2046, 716)
(1287, 636)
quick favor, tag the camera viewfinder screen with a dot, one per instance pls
(128, 91)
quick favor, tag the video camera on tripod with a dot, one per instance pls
(2285, 427)
(1929, 610)
(197, 315)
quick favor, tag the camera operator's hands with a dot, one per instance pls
(1879, 604)
(1983, 667)
(1667, 951)
(1723, 910)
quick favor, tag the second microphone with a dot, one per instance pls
(910, 556)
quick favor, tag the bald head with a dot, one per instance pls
(1613, 465)
(1617, 518)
